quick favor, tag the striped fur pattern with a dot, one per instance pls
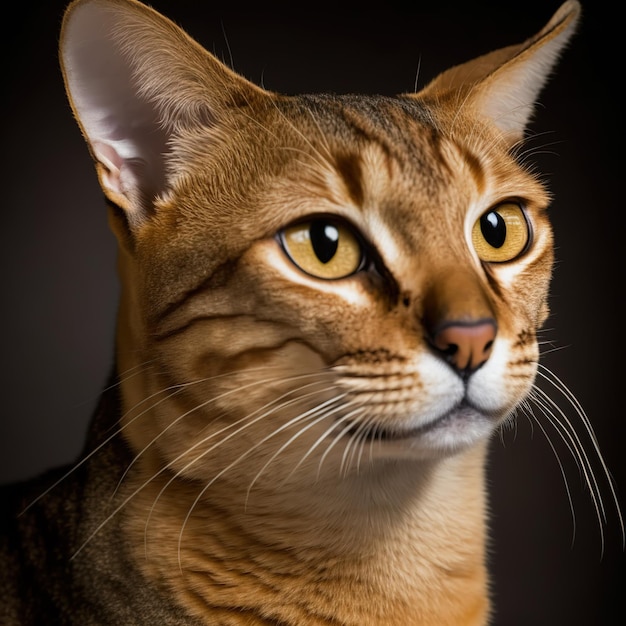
(322, 322)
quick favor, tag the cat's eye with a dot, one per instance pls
(323, 247)
(501, 234)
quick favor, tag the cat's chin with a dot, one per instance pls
(450, 433)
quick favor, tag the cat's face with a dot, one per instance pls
(280, 346)
(320, 283)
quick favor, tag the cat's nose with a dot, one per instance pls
(458, 318)
(465, 345)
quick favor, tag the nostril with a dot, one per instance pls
(465, 345)
(449, 350)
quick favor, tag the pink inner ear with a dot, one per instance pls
(112, 162)
(121, 125)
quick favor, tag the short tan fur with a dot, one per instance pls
(329, 304)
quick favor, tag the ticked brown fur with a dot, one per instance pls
(286, 448)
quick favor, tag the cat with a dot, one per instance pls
(328, 305)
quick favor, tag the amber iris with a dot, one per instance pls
(323, 247)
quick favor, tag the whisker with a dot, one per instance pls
(228, 467)
(339, 436)
(325, 415)
(136, 370)
(345, 418)
(146, 410)
(131, 372)
(558, 384)
(166, 467)
(359, 437)
(265, 410)
(586, 468)
(568, 435)
(551, 418)
(86, 458)
(124, 377)
(417, 74)
(230, 52)
(203, 405)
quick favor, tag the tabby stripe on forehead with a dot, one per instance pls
(401, 128)
(475, 167)
(349, 166)
(375, 127)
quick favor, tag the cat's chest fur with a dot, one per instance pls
(328, 305)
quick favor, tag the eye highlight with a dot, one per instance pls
(323, 247)
(501, 234)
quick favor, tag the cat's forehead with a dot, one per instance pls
(361, 157)
(399, 128)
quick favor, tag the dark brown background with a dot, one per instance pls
(59, 287)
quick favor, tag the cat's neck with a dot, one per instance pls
(370, 542)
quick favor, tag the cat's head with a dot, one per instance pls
(313, 280)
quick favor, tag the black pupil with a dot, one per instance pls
(324, 239)
(493, 229)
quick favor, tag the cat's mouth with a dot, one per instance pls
(461, 419)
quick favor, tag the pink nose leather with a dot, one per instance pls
(466, 345)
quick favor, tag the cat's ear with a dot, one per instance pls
(135, 79)
(504, 85)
